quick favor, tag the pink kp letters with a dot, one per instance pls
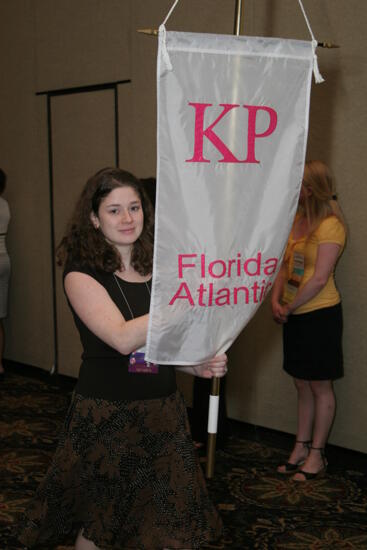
(209, 133)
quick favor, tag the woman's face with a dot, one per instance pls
(120, 217)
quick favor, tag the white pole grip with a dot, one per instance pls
(213, 414)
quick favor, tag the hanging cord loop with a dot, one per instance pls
(162, 38)
(162, 34)
(316, 72)
(163, 46)
(170, 11)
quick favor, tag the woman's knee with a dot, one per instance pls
(322, 387)
(301, 385)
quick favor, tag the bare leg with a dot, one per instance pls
(2, 340)
(324, 415)
(324, 411)
(305, 411)
(82, 543)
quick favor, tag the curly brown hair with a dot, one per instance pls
(83, 245)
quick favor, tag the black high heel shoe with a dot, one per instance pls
(314, 475)
(290, 467)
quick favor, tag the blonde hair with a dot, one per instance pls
(320, 202)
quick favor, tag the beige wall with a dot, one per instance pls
(337, 135)
(46, 45)
(54, 44)
(22, 142)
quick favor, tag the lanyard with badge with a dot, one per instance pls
(137, 362)
(298, 270)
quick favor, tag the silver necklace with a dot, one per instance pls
(124, 297)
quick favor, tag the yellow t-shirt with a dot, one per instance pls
(300, 258)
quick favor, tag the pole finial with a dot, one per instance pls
(150, 32)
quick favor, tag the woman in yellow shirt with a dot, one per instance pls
(306, 301)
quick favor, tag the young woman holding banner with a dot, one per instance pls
(125, 473)
(306, 301)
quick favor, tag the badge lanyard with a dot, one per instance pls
(137, 363)
(298, 269)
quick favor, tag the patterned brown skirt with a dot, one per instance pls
(127, 474)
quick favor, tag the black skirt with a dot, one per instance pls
(128, 475)
(312, 344)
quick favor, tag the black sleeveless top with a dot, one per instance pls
(104, 371)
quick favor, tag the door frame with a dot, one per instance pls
(50, 94)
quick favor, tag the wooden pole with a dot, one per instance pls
(215, 385)
(238, 18)
(212, 426)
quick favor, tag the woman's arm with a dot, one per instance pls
(276, 295)
(93, 305)
(214, 367)
(327, 255)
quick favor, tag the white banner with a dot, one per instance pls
(232, 130)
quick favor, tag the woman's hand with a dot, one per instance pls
(214, 367)
(280, 312)
(277, 293)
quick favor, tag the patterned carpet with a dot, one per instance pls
(260, 509)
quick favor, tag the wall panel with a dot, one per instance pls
(337, 135)
(23, 155)
(81, 42)
(83, 141)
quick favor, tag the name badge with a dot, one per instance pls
(138, 364)
(291, 288)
